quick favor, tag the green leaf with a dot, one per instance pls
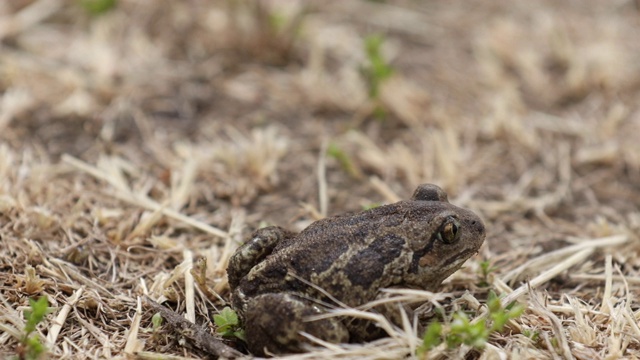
(344, 160)
(493, 302)
(156, 320)
(433, 336)
(98, 7)
(34, 348)
(464, 332)
(38, 310)
(486, 268)
(226, 317)
(516, 311)
(378, 68)
(500, 315)
(531, 334)
(240, 335)
(371, 206)
(277, 21)
(228, 323)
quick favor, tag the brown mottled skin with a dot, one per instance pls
(410, 244)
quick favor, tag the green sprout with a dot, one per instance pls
(432, 337)
(377, 71)
(32, 346)
(461, 330)
(156, 327)
(371, 206)
(98, 7)
(156, 321)
(531, 334)
(344, 160)
(485, 270)
(228, 324)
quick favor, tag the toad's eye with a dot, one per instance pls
(449, 231)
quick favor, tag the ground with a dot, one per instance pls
(139, 139)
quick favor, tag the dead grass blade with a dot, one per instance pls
(125, 194)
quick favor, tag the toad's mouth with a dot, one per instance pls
(455, 261)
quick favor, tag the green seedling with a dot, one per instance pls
(378, 68)
(277, 22)
(31, 346)
(432, 337)
(461, 330)
(344, 160)
(156, 321)
(156, 327)
(98, 7)
(531, 334)
(485, 270)
(376, 72)
(228, 324)
(371, 206)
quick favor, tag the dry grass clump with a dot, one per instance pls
(141, 145)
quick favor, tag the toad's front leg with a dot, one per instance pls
(261, 244)
(273, 323)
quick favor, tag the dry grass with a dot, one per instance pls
(137, 142)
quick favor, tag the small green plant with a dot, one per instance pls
(378, 68)
(371, 206)
(97, 7)
(461, 330)
(344, 160)
(228, 324)
(156, 321)
(432, 337)
(156, 327)
(377, 71)
(531, 334)
(277, 21)
(485, 269)
(31, 347)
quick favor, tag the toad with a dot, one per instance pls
(281, 280)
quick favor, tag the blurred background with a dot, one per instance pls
(529, 107)
(496, 98)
